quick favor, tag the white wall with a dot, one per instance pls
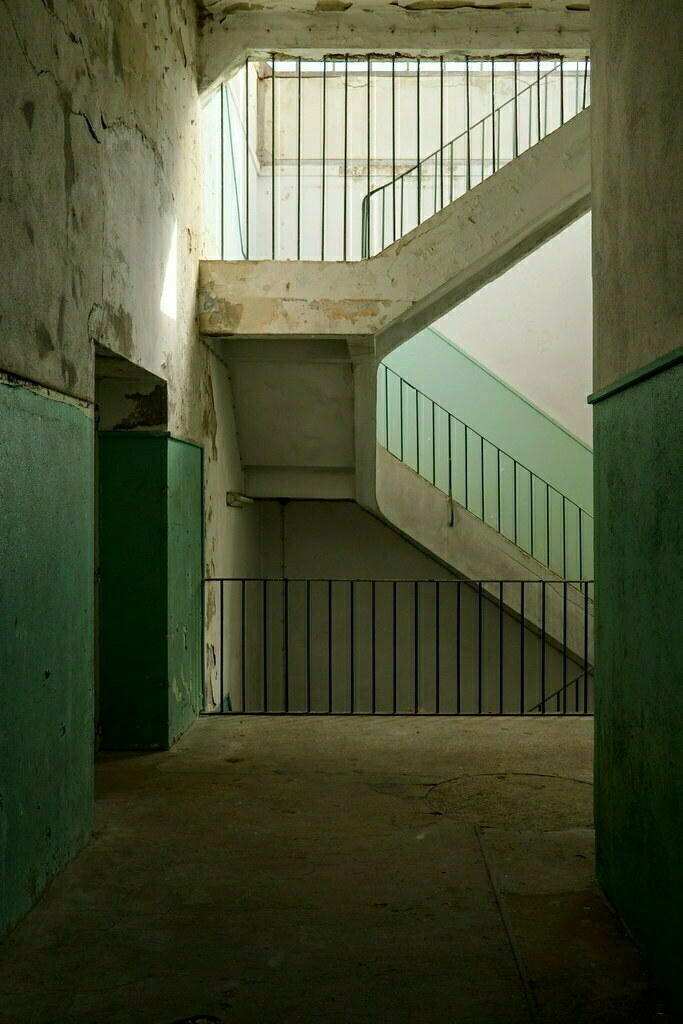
(533, 328)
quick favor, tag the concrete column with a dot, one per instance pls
(638, 270)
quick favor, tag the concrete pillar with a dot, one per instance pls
(638, 272)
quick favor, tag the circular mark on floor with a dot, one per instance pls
(515, 800)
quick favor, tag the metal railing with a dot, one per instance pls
(397, 206)
(485, 479)
(399, 647)
(298, 151)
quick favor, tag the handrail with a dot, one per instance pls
(542, 551)
(457, 138)
(494, 113)
(396, 647)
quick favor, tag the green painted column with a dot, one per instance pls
(46, 651)
(150, 494)
(639, 645)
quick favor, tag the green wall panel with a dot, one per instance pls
(150, 492)
(639, 657)
(133, 654)
(487, 404)
(46, 653)
(185, 571)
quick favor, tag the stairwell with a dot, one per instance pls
(303, 341)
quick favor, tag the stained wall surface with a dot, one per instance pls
(99, 215)
(46, 652)
(639, 470)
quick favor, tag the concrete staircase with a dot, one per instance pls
(302, 342)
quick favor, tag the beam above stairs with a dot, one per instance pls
(454, 33)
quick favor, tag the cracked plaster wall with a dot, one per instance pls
(99, 106)
(99, 169)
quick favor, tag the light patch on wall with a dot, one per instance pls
(169, 295)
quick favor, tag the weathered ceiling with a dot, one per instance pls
(221, 7)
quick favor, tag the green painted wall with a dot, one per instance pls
(499, 413)
(46, 653)
(513, 500)
(150, 494)
(185, 594)
(639, 654)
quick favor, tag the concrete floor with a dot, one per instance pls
(286, 870)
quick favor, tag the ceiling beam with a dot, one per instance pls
(453, 33)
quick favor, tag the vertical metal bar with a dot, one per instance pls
(585, 649)
(298, 158)
(265, 645)
(437, 653)
(346, 151)
(467, 490)
(402, 199)
(564, 648)
(501, 625)
(515, 143)
(458, 637)
(394, 637)
(441, 142)
(374, 651)
(561, 90)
(480, 651)
(369, 149)
(538, 99)
(329, 645)
(434, 443)
(308, 646)
(514, 497)
(286, 640)
(384, 196)
(498, 502)
(417, 430)
(481, 472)
(436, 191)
(419, 169)
(544, 645)
(450, 158)
(352, 652)
(244, 644)
(386, 403)
(564, 536)
(400, 411)
(416, 637)
(580, 543)
(393, 144)
(222, 205)
(450, 456)
(323, 183)
(547, 525)
(522, 638)
(531, 512)
(585, 82)
(493, 115)
(222, 648)
(467, 109)
(246, 151)
(272, 147)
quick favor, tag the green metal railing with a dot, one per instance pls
(486, 480)
(397, 206)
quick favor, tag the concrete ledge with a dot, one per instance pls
(225, 44)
